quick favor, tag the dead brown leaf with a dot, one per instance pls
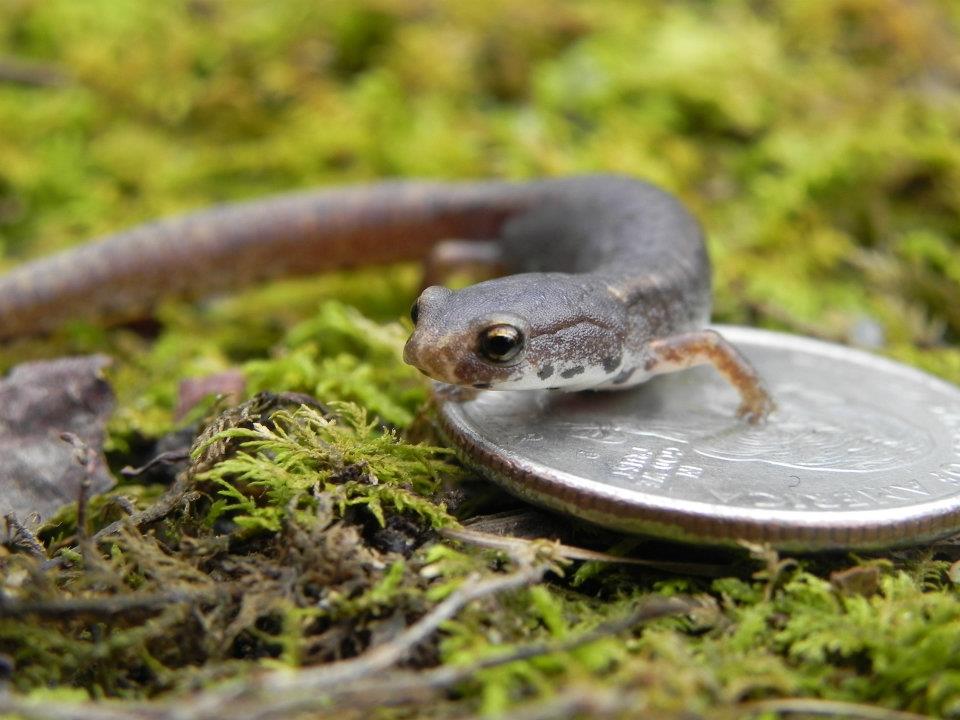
(40, 472)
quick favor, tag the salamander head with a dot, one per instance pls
(542, 330)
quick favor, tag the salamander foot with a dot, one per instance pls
(679, 352)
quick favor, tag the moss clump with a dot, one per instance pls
(291, 535)
(279, 466)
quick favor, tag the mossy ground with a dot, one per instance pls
(816, 140)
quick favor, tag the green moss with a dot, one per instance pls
(276, 467)
(817, 143)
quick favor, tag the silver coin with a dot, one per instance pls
(862, 452)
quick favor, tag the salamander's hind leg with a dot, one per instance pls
(708, 346)
(476, 259)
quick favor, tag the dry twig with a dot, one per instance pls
(511, 544)
(31, 74)
(365, 681)
(827, 708)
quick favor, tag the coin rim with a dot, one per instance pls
(699, 522)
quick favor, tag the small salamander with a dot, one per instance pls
(607, 279)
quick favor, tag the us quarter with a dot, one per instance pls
(862, 452)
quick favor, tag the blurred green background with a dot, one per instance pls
(817, 140)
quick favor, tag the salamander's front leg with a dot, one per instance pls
(478, 259)
(708, 346)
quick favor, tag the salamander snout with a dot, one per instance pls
(426, 347)
(459, 341)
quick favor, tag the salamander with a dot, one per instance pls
(607, 279)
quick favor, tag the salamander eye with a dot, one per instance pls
(501, 343)
(415, 311)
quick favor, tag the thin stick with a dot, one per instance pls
(99, 607)
(509, 544)
(179, 492)
(384, 656)
(280, 692)
(170, 457)
(31, 74)
(403, 687)
(362, 682)
(828, 708)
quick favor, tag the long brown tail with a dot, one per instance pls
(226, 247)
